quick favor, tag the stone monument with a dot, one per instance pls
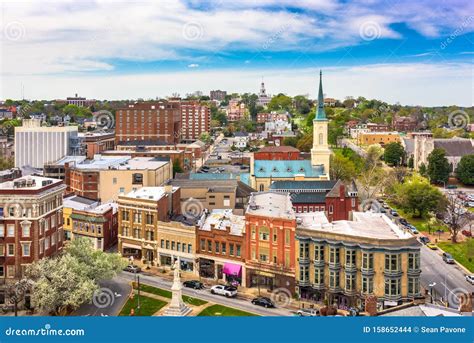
(177, 306)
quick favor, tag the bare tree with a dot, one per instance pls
(456, 215)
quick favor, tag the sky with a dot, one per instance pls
(411, 52)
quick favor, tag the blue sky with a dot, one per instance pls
(412, 52)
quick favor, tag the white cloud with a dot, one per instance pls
(193, 65)
(411, 84)
(67, 36)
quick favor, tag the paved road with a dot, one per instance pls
(109, 302)
(449, 278)
(238, 303)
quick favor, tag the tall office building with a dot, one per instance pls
(36, 145)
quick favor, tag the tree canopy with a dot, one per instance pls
(438, 166)
(465, 170)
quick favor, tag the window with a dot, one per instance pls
(367, 284)
(304, 250)
(125, 215)
(114, 181)
(122, 190)
(350, 282)
(178, 246)
(173, 245)
(217, 247)
(392, 287)
(350, 258)
(333, 279)
(137, 179)
(287, 237)
(41, 245)
(319, 276)
(264, 234)
(2, 250)
(11, 250)
(136, 233)
(137, 217)
(319, 252)
(304, 273)
(275, 236)
(231, 249)
(237, 250)
(392, 262)
(11, 230)
(162, 244)
(202, 245)
(262, 188)
(2, 271)
(25, 247)
(11, 271)
(2, 230)
(167, 244)
(264, 254)
(321, 139)
(253, 230)
(413, 261)
(209, 245)
(331, 209)
(223, 248)
(413, 285)
(149, 219)
(367, 261)
(334, 255)
(190, 248)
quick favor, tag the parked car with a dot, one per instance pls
(466, 233)
(448, 258)
(385, 206)
(424, 240)
(263, 301)
(432, 246)
(451, 187)
(307, 312)
(470, 204)
(193, 284)
(403, 221)
(412, 228)
(394, 213)
(132, 269)
(470, 279)
(228, 291)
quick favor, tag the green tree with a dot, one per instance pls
(290, 141)
(280, 102)
(417, 196)
(393, 154)
(177, 167)
(411, 162)
(305, 143)
(465, 170)
(302, 104)
(205, 137)
(423, 170)
(438, 166)
(342, 168)
(69, 280)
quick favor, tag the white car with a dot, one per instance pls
(228, 291)
(307, 312)
(470, 279)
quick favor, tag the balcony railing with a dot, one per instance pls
(393, 273)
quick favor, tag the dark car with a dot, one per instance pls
(424, 240)
(448, 258)
(132, 269)
(193, 284)
(263, 301)
(394, 213)
(403, 221)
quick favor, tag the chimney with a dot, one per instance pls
(342, 191)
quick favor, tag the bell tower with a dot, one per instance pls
(320, 152)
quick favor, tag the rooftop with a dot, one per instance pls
(30, 182)
(121, 163)
(364, 224)
(149, 193)
(79, 203)
(286, 168)
(269, 204)
(223, 219)
(455, 146)
(282, 148)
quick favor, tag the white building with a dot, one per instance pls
(241, 139)
(36, 145)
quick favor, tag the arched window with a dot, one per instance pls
(261, 188)
(320, 139)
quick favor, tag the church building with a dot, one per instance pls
(263, 172)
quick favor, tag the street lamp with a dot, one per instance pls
(431, 285)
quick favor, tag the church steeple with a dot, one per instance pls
(320, 114)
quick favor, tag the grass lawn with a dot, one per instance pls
(461, 252)
(167, 294)
(419, 223)
(224, 311)
(148, 306)
(471, 209)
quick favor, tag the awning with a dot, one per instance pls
(232, 269)
(133, 246)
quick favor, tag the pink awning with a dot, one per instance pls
(232, 269)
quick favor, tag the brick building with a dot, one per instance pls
(93, 143)
(195, 120)
(31, 225)
(270, 225)
(404, 124)
(220, 247)
(148, 121)
(88, 218)
(139, 214)
(276, 153)
(336, 199)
